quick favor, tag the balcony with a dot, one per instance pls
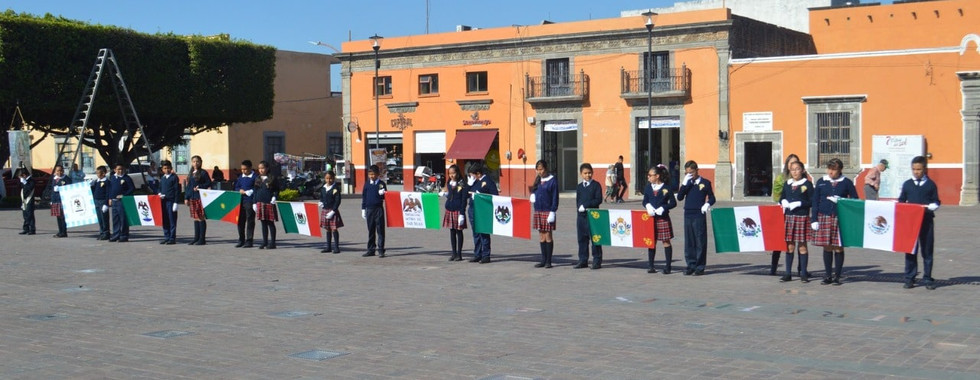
(557, 89)
(673, 87)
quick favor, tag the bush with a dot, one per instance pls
(288, 195)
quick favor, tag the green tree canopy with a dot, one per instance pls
(178, 84)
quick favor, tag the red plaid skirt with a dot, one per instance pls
(56, 210)
(541, 221)
(829, 232)
(663, 228)
(450, 220)
(196, 208)
(266, 211)
(797, 228)
(332, 223)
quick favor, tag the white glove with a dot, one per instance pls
(174, 208)
(330, 215)
(443, 193)
(551, 217)
(321, 204)
(833, 198)
(56, 188)
(659, 211)
(162, 196)
(705, 208)
(815, 226)
(461, 219)
(452, 183)
(273, 200)
(532, 198)
(364, 214)
(105, 208)
(687, 177)
(249, 192)
(650, 210)
(581, 208)
(23, 181)
(795, 205)
(381, 191)
(932, 206)
(255, 208)
(470, 181)
(784, 203)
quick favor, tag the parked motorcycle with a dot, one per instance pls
(426, 181)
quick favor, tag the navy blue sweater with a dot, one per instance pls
(100, 189)
(120, 186)
(661, 198)
(198, 179)
(456, 197)
(330, 197)
(546, 195)
(27, 190)
(483, 185)
(695, 193)
(825, 188)
(56, 196)
(246, 182)
(370, 199)
(923, 194)
(169, 187)
(266, 189)
(800, 193)
(588, 196)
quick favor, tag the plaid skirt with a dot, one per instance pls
(663, 229)
(797, 228)
(266, 211)
(451, 221)
(829, 232)
(332, 223)
(541, 221)
(56, 210)
(196, 208)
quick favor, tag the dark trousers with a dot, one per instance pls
(623, 188)
(246, 222)
(585, 240)
(923, 248)
(695, 241)
(103, 218)
(29, 223)
(169, 220)
(269, 229)
(376, 229)
(481, 242)
(120, 228)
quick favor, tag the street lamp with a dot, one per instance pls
(649, 83)
(376, 45)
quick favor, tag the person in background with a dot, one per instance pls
(153, 178)
(620, 180)
(611, 190)
(76, 175)
(217, 175)
(872, 181)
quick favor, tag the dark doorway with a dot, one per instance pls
(758, 169)
(666, 142)
(561, 153)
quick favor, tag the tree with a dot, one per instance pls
(180, 85)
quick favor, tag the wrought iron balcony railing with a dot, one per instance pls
(668, 83)
(557, 87)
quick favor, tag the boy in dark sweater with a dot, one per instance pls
(168, 189)
(588, 194)
(373, 210)
(921, 190)
(698, 198)
(100, 194)
(245, 185)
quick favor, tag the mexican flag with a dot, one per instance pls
(887, 226)
(621, 228)
(143, 210)
(412, 210)
(748, 229)
(505, 216)
(221, 205)
(300, 218)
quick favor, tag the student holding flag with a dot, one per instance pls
(699, 199)
(544, 196)
(588, 195)
(823, 218)
(266, 191)
(168, 189)
(100, 195)
(245, 185)
(196, 181)
(57, 181)
(480, 183)
(119, 186)
(777, 193)
(795, 200)
(330, 219)
(658, 200)
(455, 218)
(919, 189)
(373, 211)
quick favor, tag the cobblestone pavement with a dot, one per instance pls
(81, 308)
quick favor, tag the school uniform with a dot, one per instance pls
(119, 186)
(27, 205)
(660, 198)
(168, 189)
(481, 242)
(56, 210)
(330, 219)
(373, 210)
(454, 218)
(696, 193)
(197, 180)
(544, 218)
(823, 211)
(100, 194)
(795, 200)
(266, 190)
(588, 195)
(924, 192)
(246, 214)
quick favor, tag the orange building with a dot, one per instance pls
(567, 93)
(902, 72)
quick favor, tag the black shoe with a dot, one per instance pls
(539, 265)
(60, 235)
(596, 266)
(201, 242)
(475, 260)
(261, 247)
(688, 272)
(452, 258)
(485, 260)
(30, 233)
(699, 273)
(651, 270)
(381, 254)
(826, 281)
(931, 285)
(248, 245)
(786, 278)
(805, 278)
(193, 242)
(164, 241)
(22, 233)
(123, 240)
(908, 285)
(113, 240)
(325, 250)
(240, 244)
(548, 265)
(666, 270)
(271, 246)
(171, 242)
(581, 265)
(836, 281)
(336, 251)
(369, 254)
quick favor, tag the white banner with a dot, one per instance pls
(899, 151)
(660, 122)
(78, 204)
(20, 149)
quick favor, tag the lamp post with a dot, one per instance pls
(649, 84)
(376, 45)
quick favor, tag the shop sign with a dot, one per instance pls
(401, 122)
(475, 121)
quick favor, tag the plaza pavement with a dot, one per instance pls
(84, 309)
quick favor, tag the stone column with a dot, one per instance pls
(970, 86)
(723, 170)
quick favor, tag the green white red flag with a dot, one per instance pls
(883, 225)
(621, 228)
(221, 205)
(300, 218)
(405, 209)
(143, 210)
(506, 216)
(748, 229)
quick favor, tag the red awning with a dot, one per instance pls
(471, 145)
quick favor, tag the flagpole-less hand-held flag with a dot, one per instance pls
(883, 225)
(621, 228)
(300, 218)
(748, 229)
(412, 210)
(143, 210)
(78, 204)
(221, 205)
(493, 214)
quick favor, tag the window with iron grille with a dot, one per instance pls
(834, 137)
(428, 84)
(383, 87)
(476, 81)
(335, 144)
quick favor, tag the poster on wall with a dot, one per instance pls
(899, 151)
(20, 149)
(380, 157)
